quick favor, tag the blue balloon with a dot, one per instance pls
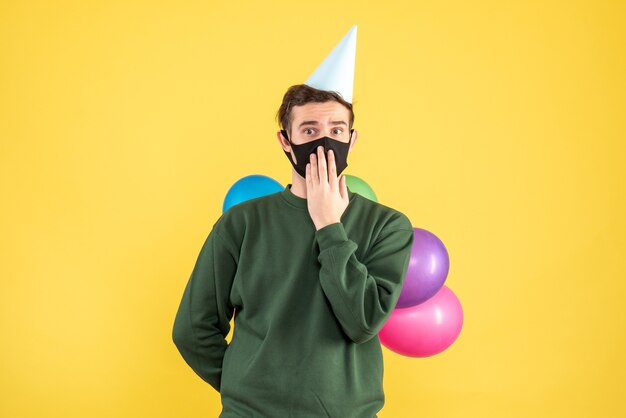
(250, 187)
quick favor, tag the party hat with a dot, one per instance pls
(336, 72)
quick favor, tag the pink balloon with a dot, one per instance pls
(426, 329)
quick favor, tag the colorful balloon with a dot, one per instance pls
(428, 269)
(356, 185)
(426, 329)
(250, 187)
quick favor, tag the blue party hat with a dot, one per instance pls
(336, 72)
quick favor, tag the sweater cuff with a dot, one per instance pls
(331, 235)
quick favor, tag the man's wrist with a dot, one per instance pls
(324, 224)
(331, 235)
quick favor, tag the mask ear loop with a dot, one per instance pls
(284, 132)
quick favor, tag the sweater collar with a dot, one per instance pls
(300, 202)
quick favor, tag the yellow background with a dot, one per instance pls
(498, 126)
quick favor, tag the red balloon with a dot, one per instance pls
(426, 329)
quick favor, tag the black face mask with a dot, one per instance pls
(303, 152)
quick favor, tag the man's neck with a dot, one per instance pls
(298, 184)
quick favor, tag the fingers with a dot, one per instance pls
(314, 171)
(321, 162)
(332, 170)
(309, 180)
(343, 189)
(323, 171)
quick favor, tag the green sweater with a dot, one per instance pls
(308, 306)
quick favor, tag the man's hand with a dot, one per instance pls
(327, 196)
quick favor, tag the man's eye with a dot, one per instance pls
(309, 131)
(337, 131)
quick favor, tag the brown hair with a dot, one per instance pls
(301, 94)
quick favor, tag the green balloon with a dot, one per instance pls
(356, 185)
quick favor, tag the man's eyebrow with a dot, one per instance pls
(314, 122)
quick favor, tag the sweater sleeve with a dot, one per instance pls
(363, 293)
(203, 318)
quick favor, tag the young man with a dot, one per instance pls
(312, 274)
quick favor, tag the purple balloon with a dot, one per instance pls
(427, 271)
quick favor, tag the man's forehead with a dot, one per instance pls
(322, 112)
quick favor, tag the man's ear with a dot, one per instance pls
(353, 139)
(284, 143)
